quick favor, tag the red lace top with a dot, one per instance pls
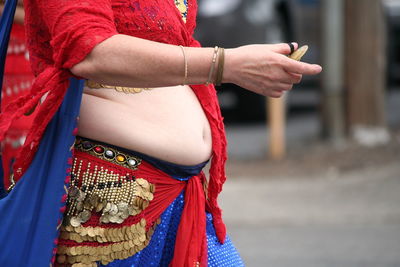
(60, 33)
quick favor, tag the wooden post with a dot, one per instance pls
(332, 22)
(276, 122)
(365, 64)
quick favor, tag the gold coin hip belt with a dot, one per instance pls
(105, 217)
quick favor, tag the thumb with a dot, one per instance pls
(283, 48)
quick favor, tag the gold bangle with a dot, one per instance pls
(185, 65)
(220, 70)
(214, 59)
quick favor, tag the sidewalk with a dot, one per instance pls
(349, 221)
(319, 208)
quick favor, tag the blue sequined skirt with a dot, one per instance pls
(160, 250)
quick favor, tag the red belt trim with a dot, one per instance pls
(191, 242)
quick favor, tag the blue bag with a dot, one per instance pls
(30, 213)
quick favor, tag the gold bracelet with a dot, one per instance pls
(220, 70)
(186, 65)
(214, 59)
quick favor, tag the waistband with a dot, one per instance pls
(177, 171)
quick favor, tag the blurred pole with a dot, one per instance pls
(276, 123)
(332, 76)
(365, 70)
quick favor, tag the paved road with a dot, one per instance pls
(319, 208)
(350, 220)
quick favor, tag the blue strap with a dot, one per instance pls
(29, 214)
(6, 21)
(3, 192)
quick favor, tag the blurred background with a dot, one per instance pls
(314, 179)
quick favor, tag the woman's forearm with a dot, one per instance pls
(129, 61)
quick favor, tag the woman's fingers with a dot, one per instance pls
(282, 48)
(266, 69)
(276, 94)
(286, 86)
(294, 66)
(298, 67)
(285, 77)
(296, 78)
(275, 90)
(281, 87)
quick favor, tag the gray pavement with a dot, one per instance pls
(318, 208)
(326, 221)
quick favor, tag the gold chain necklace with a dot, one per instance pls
(126, 90)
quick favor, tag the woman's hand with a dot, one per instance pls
(265, 69)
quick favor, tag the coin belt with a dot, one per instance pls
(114, 244)
(104, 207)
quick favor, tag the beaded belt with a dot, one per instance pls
(104, 219)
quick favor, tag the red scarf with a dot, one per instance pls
(60, 34)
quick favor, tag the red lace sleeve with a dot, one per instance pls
(75, 27)
(60, 34)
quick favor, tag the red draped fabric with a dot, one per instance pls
(18, 78)
(61, 33)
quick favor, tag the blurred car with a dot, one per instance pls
(232, 23)
(392, 9)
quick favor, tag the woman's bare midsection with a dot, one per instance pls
(166, 123)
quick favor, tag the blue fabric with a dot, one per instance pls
(6, 21)
(220, 254)
(160, 250)
(30, 213)
(2, 189)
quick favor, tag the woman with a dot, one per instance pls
(135, 193)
